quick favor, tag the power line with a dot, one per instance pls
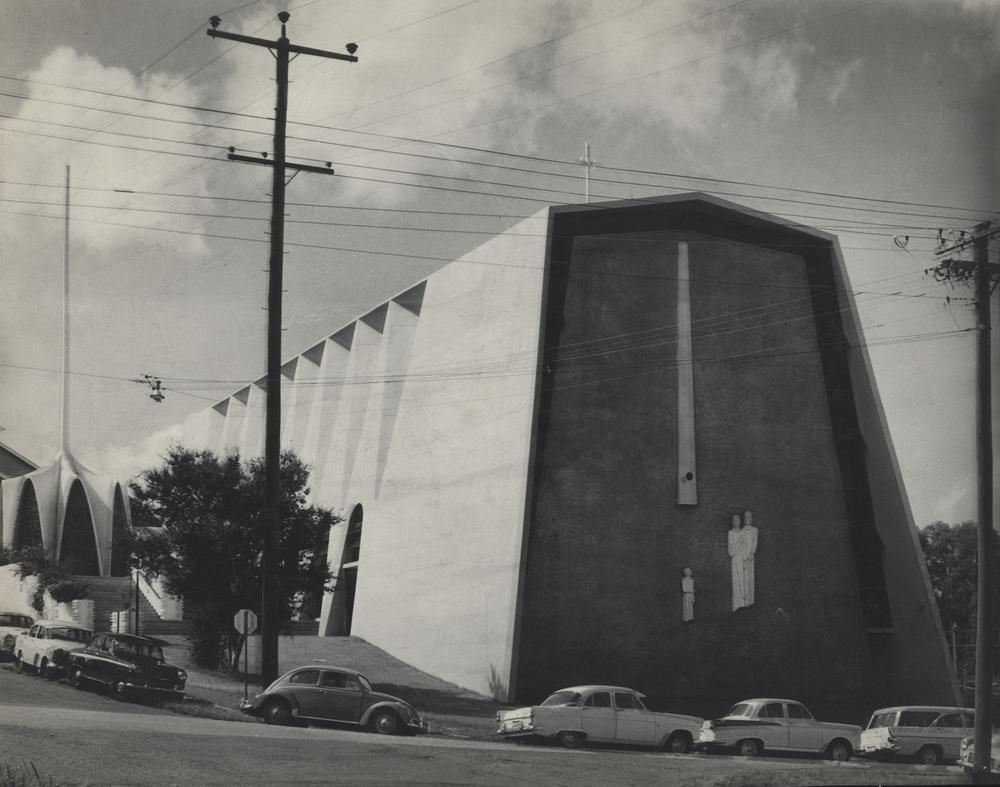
(514, 155)
(479, 181)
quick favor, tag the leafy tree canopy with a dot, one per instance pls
(206, 516)
(952, 555)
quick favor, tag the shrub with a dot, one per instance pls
(68, 590)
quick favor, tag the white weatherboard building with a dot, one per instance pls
(529, 446)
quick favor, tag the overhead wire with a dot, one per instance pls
(539, 159)
(480, 181)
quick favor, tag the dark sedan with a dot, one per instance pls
(334, 694)
(125, 663)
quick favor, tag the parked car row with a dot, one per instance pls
(599, 714)
(575, 716)
(125, 663)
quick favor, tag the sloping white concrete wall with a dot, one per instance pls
(421, 411)
(441, 466)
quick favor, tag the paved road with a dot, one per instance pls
(85, 738)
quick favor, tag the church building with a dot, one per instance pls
(634, 443)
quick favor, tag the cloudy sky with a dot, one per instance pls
(870, 120)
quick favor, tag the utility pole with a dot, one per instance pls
(272, 423)
(980, 270)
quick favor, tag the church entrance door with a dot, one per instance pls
(350, 588)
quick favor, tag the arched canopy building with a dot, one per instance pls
(530, 446)
(77, 516)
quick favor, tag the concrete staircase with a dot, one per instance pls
(151, 625)
(114, 594)
(109, 594)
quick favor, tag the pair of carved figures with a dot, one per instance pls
(742, 545)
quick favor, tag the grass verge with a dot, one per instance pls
(27, 775)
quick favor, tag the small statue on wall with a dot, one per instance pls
(687, 595)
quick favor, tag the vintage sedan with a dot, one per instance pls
(320, 692)
(46, 646)
(12, 624)
(967, 757)
(600, 714)
(127, 664)
(930, 734)
(754, 726)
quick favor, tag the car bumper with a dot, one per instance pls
(418, 726)
(709, 746)
(519, 732)
(142, 687)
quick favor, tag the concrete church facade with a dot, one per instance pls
(530, 446)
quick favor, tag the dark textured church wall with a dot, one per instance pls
(607, 540)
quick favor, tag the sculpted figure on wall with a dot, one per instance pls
(742, 547)
(749, 533)
(735, 548)
(687, 595)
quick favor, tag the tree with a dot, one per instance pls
(205, 516)
(951, 555)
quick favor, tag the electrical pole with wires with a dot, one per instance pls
(954, 267)
(272, 419)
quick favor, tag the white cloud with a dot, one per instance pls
(127, 461)
(840, 80)
(50, 121)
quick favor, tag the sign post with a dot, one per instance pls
(245, 622)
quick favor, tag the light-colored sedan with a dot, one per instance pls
(752, 727)
(967, 756)
(12, 624)
(45, 648)
(600, 714)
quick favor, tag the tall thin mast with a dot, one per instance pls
(64, 431)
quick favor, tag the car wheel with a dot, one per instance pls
(839, 750)
(277, 712)
(929, 755)
(76, 678)
(385, 722)
(749, 748)
(572, 740)
(678, 743)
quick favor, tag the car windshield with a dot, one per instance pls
(142, 649)
(10, 619)
(70, 634)
(562, 698)
(740, 709)
(882, 720)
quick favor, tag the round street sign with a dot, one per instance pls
(245, 621)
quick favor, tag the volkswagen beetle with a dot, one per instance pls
(320, 692)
